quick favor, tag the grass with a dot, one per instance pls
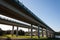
(14, 36)
(27, 37)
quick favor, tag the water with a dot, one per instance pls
(57, 36)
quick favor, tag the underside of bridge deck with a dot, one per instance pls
(15, 9)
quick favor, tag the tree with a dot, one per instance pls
(14, 31)
(21, 32)
(1, 32)
(8, 32)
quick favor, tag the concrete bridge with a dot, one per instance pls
(16, 10)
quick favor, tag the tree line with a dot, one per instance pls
(2, 32)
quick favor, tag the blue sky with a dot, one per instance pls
(46, 10)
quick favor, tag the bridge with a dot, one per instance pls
(16, 10)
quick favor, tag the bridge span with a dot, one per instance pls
(16, 10)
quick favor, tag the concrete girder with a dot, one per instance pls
(8, 22)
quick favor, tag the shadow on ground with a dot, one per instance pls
(48, 39)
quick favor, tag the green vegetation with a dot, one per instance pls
(7, 35)
(27, 37)
(14, 36)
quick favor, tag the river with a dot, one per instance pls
(57, 36)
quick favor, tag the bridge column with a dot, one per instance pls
(38, 32)
(17, 32)
(12, 32)
(31, 30)
(49, 34)
(42, 33)
(53, 34)
(46, 33)
(28, 31)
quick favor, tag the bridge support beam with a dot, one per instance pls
(28, 31)
(17, 32)
(31, 31)
(46, 33)
(38, 32)
(52, 34)
(49, 33)
(42, 33)
(12, 32)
